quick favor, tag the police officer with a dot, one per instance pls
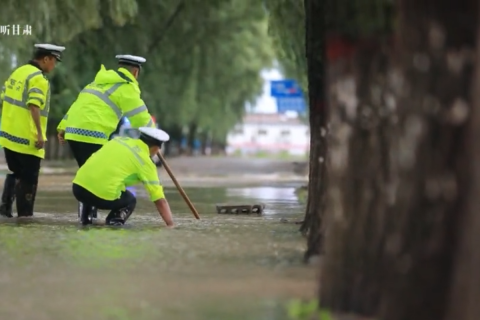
(102, 184)
(26, 103)
(99, 107)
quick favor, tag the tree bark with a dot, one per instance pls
(192, 134)
(422, 231)
(465, 292)
(394, 260)
(316, 59)
(351, 274)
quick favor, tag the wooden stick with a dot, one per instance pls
(179, 188)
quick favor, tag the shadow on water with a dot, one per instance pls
(221, 267)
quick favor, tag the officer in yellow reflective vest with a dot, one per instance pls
(25, 107)
(96, 113)
(102, 184)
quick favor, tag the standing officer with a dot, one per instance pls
(99, 107)
(103, 180)
(26, 103)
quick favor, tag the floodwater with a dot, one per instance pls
(221, 267)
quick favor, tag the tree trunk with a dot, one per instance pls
(423, 229)
(51, 148)
(465, 292)
(192, 133)
(399, 255)
(358, 235)
(316, 58)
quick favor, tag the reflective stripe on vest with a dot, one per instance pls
(135, 153)
(13, 138)
(23, 103)
(86, 133)
(135, 111)
(105, 97)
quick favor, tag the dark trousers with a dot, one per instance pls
(21, 184)
(25, 167)
(126, 202)
(83, 150)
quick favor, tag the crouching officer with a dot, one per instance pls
(99, 107)
(25, 108)
(101, 182)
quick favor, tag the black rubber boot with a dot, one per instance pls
(85, 213)
(8, 196)
(25, 195)
(80, 208)
(118, 217)
(94, 213)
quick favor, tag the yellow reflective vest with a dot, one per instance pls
(120, 163)
(27, 85)
(94, 116)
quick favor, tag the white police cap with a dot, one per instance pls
(131, 60)
(50, 49)
(155, 133)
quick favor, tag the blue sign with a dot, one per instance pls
(291, 104)
(285, 88)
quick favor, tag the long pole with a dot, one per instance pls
(179, 188)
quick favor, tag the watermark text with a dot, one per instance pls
(15, 30)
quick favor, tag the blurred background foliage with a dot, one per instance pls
(199, 73)
(203, 60)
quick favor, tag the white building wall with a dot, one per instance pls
(272, 138)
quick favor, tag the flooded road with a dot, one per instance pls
(222, 267)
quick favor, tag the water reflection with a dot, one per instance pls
(271, 194)
(221, 267)
(280, 201)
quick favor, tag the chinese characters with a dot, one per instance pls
(15, 30)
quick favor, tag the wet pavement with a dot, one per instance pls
(221, 267)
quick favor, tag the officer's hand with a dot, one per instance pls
(40, 143)
(61, 136)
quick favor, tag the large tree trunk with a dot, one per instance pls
(422, 232)
(465, 292)
(402, 254)
(352, 267)
(316, 54)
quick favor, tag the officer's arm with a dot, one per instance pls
(163, 209)
(61, 129)
(136, 111)
(63, 124)
(149, 178)
(35, 111)
(37, 99)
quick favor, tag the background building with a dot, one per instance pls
(272, 124)
(269, 133)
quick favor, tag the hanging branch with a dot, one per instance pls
(167, 26)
